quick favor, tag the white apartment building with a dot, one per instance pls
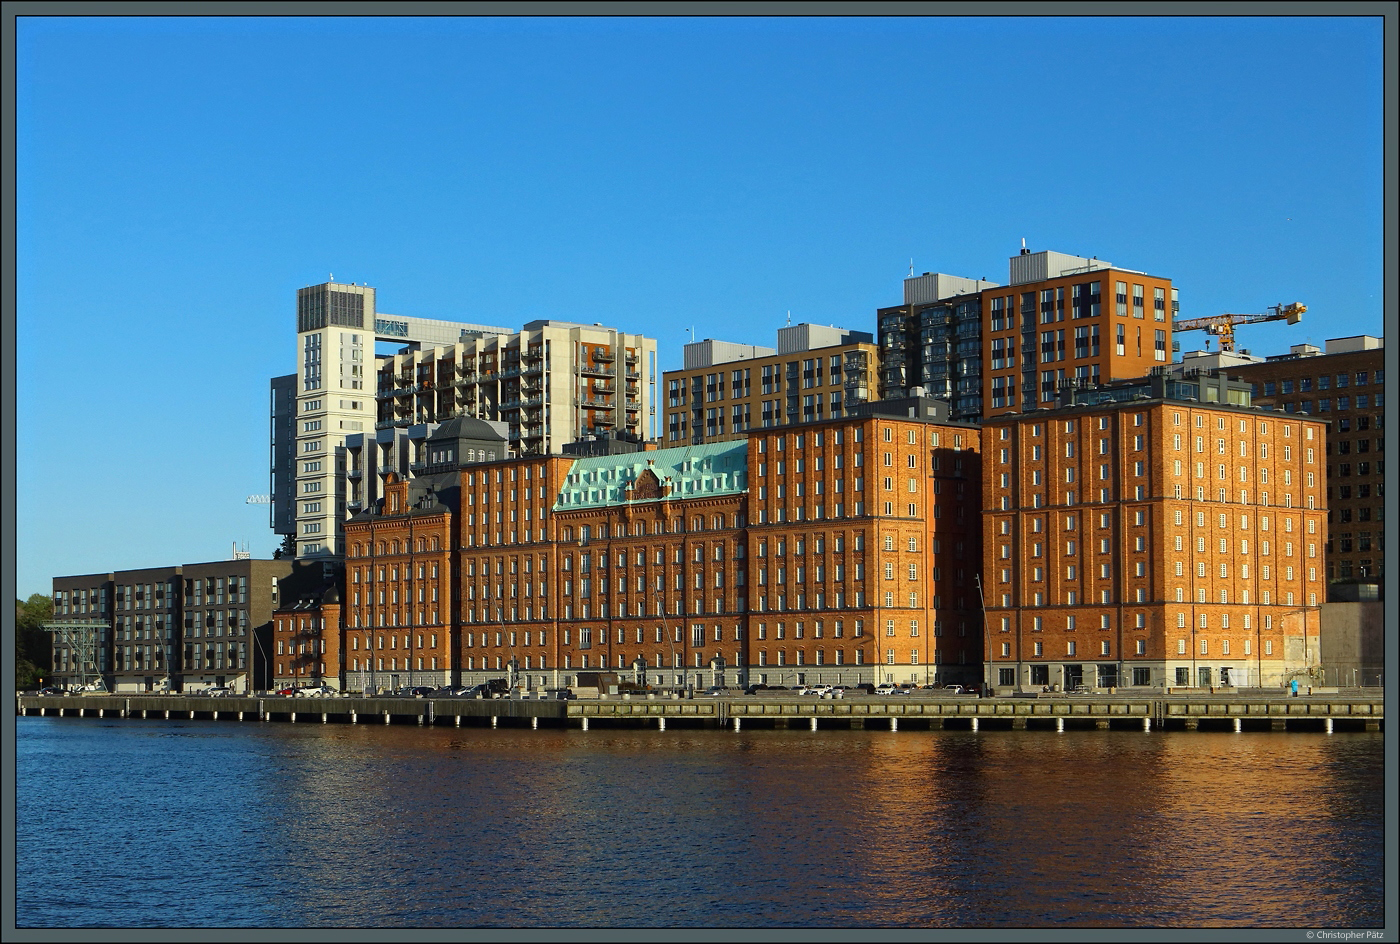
(549, 384)
(331, 396)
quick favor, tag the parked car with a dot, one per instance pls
(287, 692)
(315, 691)
(886, 688)
(52, 690)
(714, 691)
(952, 689)
(218, 691)
(818, 690)
(863, 688)
(451, 691)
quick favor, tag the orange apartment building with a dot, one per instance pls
(1066, 318)
(992, 349)
(1157, 532)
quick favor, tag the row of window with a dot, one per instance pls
(1324, 382)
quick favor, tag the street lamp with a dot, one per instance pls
(661, 609)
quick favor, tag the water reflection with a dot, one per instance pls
(368, 826)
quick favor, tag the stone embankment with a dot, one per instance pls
(1196, 712)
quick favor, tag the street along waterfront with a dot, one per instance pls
(341, 825)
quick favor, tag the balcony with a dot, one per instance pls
(597, 370)
(386, 469)
(355, 473)
(511, 371)
(417, 466)
(354, 507)
(604, 355)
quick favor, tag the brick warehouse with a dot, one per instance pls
(1154, 539)
(834, 551)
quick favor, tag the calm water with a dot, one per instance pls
(201, 823)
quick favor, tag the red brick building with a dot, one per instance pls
(755, 560)
(1160, 538)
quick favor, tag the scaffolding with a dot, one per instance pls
(82, 638)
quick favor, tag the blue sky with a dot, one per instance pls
(180, 178)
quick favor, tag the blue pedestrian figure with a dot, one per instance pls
(1294, 686)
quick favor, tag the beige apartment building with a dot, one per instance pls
(815, 373)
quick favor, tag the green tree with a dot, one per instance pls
(33, 654)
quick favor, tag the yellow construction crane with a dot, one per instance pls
(1223, 326)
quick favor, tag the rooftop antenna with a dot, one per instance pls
(789, 317)
(911, 268)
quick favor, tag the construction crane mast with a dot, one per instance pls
(1223, 326)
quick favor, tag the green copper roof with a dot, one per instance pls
(690, 471)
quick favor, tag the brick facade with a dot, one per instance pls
(1128, 543)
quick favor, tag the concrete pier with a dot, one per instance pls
(1337, 712)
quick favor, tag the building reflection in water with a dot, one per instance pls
(859, 828)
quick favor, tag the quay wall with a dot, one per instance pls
(1237, 711)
